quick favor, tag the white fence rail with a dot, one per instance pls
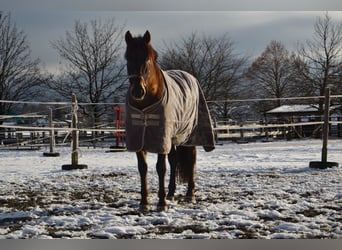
(39, 135)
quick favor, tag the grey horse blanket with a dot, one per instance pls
(180, 117)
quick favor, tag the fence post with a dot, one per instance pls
(52, 137)
(324, 163)
(326, 125)
(74, 135)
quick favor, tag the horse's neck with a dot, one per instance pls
(157, 84)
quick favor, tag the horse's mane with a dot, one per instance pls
(153, 54)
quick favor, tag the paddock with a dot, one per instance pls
(255, 190)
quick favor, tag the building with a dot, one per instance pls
(304, 120)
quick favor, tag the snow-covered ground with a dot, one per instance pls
(255, 190)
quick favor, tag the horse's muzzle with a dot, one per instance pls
(138, 92)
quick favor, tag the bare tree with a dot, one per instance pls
(213, 62)
(95, 64)
(275, 74)
(19, 75)
(323, 55)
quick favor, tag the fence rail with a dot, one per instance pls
(288, 130)
(38, 135)
(16, 136)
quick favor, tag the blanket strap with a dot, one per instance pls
(145, 119)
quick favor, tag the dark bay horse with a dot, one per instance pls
(154, 125)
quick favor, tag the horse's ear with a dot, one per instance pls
(128, 36)
(147, 37)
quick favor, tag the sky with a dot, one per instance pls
(250, 24)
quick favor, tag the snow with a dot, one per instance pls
(293, 109)
(254, 190)
(298, 108)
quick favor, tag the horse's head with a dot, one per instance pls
(140, 58)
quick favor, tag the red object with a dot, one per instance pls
(118, 122)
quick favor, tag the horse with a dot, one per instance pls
(154, 125)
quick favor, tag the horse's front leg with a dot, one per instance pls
(161, 170)
(172, 157)
(142, 166)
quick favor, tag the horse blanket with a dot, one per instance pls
(180, 117)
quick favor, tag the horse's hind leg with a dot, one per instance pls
(161, 170)
(142, 166)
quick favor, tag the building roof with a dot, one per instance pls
(294, 109)
(297, 109)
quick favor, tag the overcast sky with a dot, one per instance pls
(251, 24)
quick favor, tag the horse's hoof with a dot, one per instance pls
(162, 208)
(190, 199)
(208, 148)
(144, 208)
(170, 198)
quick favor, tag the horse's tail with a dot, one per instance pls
(186, 157)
